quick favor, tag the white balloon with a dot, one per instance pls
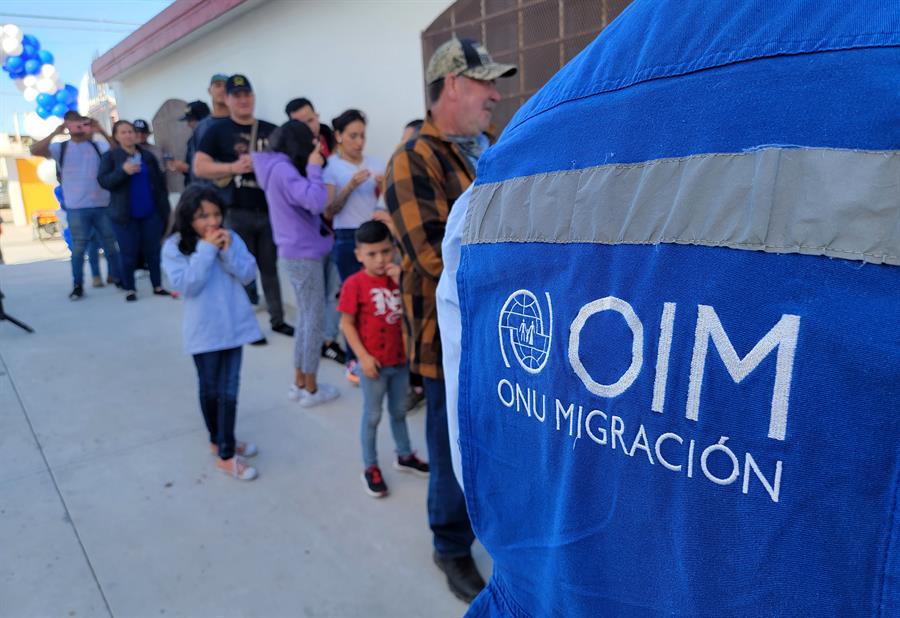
(30, 94)
(38, 128)
(21, 85)
(46, 172)
(30, 81)
(12, 31)
(46, 85)
(11, 46)
(48, 70)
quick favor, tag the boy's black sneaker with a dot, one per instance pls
(374, 482)
(412, 464)
(333, 351)
(76, 293)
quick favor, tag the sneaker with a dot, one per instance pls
(463, 578)
(96, 282)
(374, 482)
(352, 373)
(244, 449)
(76, 293)
(333, 351)
(161, 292)
(324, 393)
(296, 393)
(411, 464)
(284, 328)
(237, 468)
(131, 297)
(414, 399)
(261, 341)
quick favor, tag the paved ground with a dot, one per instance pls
(110, 503)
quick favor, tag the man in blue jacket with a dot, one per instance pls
(679, 321)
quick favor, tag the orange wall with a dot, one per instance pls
(35, 194)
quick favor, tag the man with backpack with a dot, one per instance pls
(77, 163)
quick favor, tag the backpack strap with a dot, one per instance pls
(62, 156)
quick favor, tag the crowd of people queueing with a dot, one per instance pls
(306, 195)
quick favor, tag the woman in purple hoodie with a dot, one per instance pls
(290, 172)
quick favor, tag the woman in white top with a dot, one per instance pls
(354, 182)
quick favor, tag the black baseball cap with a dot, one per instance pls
(236, 83)
(195, 110)
(141, 126)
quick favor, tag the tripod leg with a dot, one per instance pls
(21, 325)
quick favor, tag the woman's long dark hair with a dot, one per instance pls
(294, 139)
(183, 218)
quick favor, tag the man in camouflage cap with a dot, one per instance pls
(424, 178)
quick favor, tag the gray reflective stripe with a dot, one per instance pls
(818, 201)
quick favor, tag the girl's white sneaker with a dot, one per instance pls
(323, 394)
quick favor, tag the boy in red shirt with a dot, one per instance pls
(371, 315)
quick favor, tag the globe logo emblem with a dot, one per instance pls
(524, 331)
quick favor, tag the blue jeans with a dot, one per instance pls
(219, 376)
(332, 289)
(394, 381)
(342, 253)
(82, 222)
(93, 253)
(134, 237)
(447, 514)
(343, 257)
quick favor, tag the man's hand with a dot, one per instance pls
(131, 167)
(60, 130)
(176, 165)
(370, 366)
(244, 165)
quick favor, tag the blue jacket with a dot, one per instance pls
(680, 321)
(217, 313)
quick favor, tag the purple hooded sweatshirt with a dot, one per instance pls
(295, 206)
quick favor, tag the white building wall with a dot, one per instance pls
(338, 53)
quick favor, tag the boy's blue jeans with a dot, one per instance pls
(393, 381)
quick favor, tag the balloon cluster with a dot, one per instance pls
(32, 70)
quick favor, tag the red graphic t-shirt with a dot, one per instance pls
(375, 302)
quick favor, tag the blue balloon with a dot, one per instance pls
(28, 51)
(13, 64)
(18, 74)
(33, 67)
(59, 110)
(46, 100)
(73, 106)
(61, 96)
(32, 41)
(43, 112)
(45, 57)
(72, 93)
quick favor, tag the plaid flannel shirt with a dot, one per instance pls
(423, 180)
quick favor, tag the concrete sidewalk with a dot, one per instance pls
(110, 503)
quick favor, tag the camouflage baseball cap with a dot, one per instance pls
(465, 57)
